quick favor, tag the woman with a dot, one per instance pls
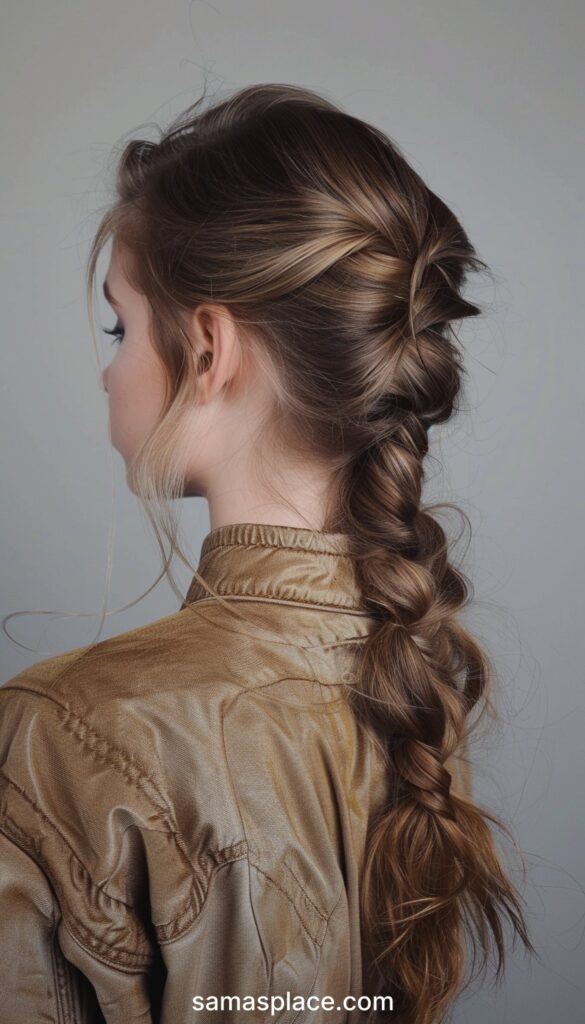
(264, 795)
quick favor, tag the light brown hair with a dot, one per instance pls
(345, 273)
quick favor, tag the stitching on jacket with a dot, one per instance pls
(262, 871)
(174, 929)
(357, 638)
(193, 907)
(218, 543)
(224, 711)
(167, 930)
(320, 953)
(118, 956)
(225, 854)
(105, 751)
(126, 766)
(198, 890)
(269, 595)
(222, 856)
(87, 735)
(23, 840)
(54, 828)
(317, 909)
(65, 1010)
(120, 959)
(15, 834)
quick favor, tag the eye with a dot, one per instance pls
(117, 331)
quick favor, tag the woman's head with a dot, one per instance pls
(291, 286)
(217, 432)
(295, 243)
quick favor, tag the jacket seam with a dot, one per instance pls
(66, 1013)
(165, 931)
(263, 872)
(251, 856)
(269, 596)
(213, 546)
(120, 761)
(16, 835)
(221, 855)
(127, 767)
(134, 774)
(123, 764)
(317, 909)
(60, 968)
(115, 757)
(65, 1008)
(24, 842)
(55, 828)
(320, 950)
(125, 960)
(224, 712)
(177, 926)
(197, 891)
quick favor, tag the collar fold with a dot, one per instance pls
(283, 563)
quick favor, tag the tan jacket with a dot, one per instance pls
(183, 807)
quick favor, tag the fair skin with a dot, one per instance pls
(222, 431)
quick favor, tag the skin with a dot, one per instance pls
(222, 431)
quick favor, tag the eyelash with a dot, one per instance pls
(117, 331)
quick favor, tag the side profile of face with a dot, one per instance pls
(221, 418)
(226, 423)
(134, 378)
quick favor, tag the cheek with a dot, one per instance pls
(135, 394)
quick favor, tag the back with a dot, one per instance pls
(184, 807)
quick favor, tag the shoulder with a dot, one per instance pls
(113, 695)
(84, 782)
(74, 742)
(92, 727)
(138, 769)
(128, 733)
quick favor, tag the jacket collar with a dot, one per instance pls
(283, 563)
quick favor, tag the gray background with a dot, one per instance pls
(483, 99)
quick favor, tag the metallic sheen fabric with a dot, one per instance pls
(183, 807)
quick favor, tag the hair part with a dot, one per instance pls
(345, 275)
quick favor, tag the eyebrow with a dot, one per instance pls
(108, 294)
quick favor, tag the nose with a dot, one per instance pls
(105, 380)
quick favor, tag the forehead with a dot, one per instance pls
(117, 285)
(122, 264)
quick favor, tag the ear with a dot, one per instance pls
(217, 348)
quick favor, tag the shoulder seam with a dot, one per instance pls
(15, 834)
(241, 851)
(171, 930)
(120, 958)
(54, 828)
(103, 750)
(120, 760)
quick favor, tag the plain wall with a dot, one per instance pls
(483, 99)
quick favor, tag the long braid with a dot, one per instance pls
(432, 866)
